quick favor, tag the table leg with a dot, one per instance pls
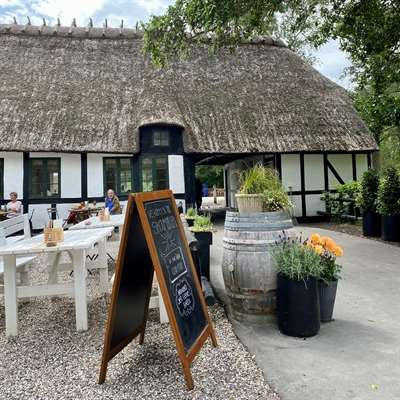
(78, 262)
(54, 260)
(102, 260)
(10, 295)
(163, 311)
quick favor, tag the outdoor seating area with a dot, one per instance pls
(199, 200)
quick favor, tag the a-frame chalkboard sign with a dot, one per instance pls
(153, 237)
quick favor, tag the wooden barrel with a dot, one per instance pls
(249, 276)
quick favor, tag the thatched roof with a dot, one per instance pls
(76, 89)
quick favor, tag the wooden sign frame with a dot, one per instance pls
(186, 356)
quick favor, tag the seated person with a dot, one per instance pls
(14, 207)
(112, 202)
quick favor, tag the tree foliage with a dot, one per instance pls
(211, 175)
(368, 32)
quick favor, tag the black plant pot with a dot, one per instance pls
(205, 241)
(298, 307)
(391, 228)
(327, 296)
(190, 221)
(372, 224)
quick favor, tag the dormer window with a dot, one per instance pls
(160, 138)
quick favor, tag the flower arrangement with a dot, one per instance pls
(295, 260)
(328, 251)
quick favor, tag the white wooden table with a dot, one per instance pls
(94, 222)
(76, 244)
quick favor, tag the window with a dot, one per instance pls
(118, 175)
(1, 178)
(45, 177)
(160, 137)
(154, 173)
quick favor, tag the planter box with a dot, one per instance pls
(205, 241)
(327, 296)
(391, 228)
(249, 203)
(372, 224)
(190, 221)
(298, 307)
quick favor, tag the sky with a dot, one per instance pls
(331, 61)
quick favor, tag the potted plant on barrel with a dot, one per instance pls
(388, 204)
(261, 190)
(328, 250)
(203, 229)
(299, 268)
(367, 202)
(190, 216)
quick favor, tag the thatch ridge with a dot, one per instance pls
(73, 91)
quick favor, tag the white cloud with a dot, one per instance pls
(153, 6)
(66, 10)
(332, 63)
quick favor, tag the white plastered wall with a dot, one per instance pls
(362, 165)
(344, 167)
(291, 177)
(176, 174)
(13, 173)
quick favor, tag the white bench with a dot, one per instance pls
(10, 227)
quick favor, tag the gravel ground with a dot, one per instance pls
(50, 360)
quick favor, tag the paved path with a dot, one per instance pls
(355, 357)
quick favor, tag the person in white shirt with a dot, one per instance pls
(14, 207)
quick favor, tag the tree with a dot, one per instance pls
(225, 23)
(367, 30)
(211, 175)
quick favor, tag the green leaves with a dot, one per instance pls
(388, 202)
(296, 261)
(367, 197)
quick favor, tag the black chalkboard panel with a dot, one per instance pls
(176, 269)
(136, 278)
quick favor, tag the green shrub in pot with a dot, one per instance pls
(388, 204)
(202, 230)
(298, 268)
(190, 215)
(367, 202)
(261, 190)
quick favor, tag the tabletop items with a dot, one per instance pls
(53, 233)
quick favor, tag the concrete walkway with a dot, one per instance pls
(357, 356)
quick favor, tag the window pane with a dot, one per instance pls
(147, 175)
(37, 178)
(110, 174)
(125, 175)
(53, 178)
(45, 178)
(160, 137)
(161, 173)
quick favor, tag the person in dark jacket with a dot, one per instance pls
(199, 194)
(112, 202)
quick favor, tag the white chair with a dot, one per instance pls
(8, 228)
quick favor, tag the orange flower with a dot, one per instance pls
(330, 245)
(338, 251)
(315, 238)
(318, 249)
